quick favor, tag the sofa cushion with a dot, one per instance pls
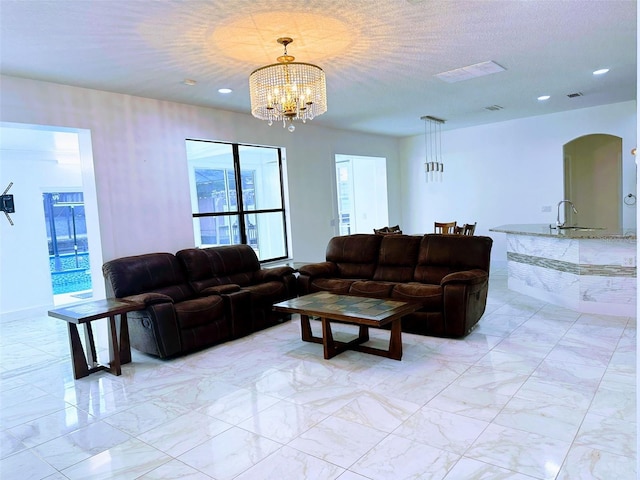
(370, 288)
(208, 267)
(333, 285)
(354, 255)
(266, 293)
(430, 296)
(152, 272)
(441, 255)
(199, 311)
(397, 258)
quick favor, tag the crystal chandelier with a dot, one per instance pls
(287, 90)
(433, 166)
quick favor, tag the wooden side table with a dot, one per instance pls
(84, 313)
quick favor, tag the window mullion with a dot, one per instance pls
(239, 202)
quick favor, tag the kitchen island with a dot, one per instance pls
(587, 270)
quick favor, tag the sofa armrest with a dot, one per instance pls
(322, 269)
(238, 308)
(275, 273)
(150, 298)
(468, 277)
(220, 289)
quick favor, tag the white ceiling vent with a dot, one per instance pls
(494, 108)
(472, 71)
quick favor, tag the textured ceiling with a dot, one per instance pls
(380, 57)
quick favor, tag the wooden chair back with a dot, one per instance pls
(444, 227)
(469, 229)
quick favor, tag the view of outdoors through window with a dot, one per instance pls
(221, 216)
(67, 237)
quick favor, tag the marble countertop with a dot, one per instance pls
(547, 230)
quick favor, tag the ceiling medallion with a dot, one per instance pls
(288, 90)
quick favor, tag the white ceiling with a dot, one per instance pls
(380, 57)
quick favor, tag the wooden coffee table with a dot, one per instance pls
(362, 311)
(84, 313)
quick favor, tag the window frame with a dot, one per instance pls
(240, 212)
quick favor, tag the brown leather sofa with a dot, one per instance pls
(235, 268)
(447, 274)
(197, 298)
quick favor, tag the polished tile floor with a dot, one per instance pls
(535, 392)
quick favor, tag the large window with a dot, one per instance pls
(237, 196)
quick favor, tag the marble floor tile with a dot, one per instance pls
(26, 464)
(616, 400)
(143, 417)
(9, 444)
(510, 361)
(500, 382)
(400, 458)
(470, 469)
(175, 470)
(227, 455)
(377, 411)
(283, 421)
(570, 395)
(338, 441)
(523, 452)
(569, 373)
(48, 427)
(501, 323)
(534, 344)
(535, 391)
(443, 430)
(62, 452)
(290, 464)
(29, 409)
(238, 405)
(584, 463)
(348, 475)
(469, 402)
(127, 460)
(610, 434)
(581, 353)
(545, 417)
(184, 433)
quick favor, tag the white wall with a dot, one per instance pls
(141, 174)
(495, 174)
(506, 172)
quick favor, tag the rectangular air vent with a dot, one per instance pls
(470, 71)
(574, 95)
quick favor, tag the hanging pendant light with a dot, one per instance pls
(287, 90)
(433, 164)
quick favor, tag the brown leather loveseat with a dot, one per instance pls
(447, 274)
(198, 297)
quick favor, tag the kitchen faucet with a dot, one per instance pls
(558, 224)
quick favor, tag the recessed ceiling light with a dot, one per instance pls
(224, 90)
(602, 71)
(542, 98)
(189, 81)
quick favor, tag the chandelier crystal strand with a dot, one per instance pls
(288, 90)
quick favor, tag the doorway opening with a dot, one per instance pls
(593, 181)
(361, 186)
(54, 165)
(66, 225)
